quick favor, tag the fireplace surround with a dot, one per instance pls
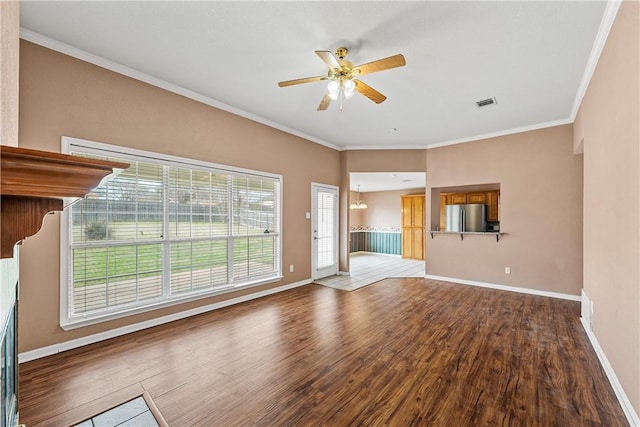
(32, 184)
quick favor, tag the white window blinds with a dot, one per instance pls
(164, 230)
(325, 233)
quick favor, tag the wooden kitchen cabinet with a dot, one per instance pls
(477, 198)
(493, 205)
(443, 212)
(413, 209)
(457, 199)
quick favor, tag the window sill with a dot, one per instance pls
(122, 312)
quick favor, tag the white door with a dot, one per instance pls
(324, 230)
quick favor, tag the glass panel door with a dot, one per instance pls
(325, 231)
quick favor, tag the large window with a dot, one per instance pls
(164, 230)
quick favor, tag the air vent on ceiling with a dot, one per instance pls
(486, 102)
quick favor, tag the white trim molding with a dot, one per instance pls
(505, 287)
(505, 132)
(85, 56)
(38, 353)
(608, 17)
(627, 407)
(586, 310)
(473, 138)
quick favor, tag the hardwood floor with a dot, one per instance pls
(400, 352)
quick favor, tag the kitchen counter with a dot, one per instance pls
(463, 233)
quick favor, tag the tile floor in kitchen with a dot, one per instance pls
(367, 268)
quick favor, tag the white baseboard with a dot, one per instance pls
(505, 287)
(91, 339)
(586, 310)
(627, 407)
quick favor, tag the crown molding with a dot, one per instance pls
(383, 147)
(66, 49)
(473, 138)
(506, 132)
(606, 23)
(608, 17)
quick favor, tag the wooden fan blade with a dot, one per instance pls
(300, 81)
(324, 104)
(329, 58)
(369, 92)
(381, 64)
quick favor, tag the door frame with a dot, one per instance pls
(314, 218)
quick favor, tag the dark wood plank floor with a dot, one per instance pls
(400, 352)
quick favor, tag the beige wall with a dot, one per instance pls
(370, 161)
(610, 115)
(541, 210)
(60, 95)
(385, 160)
(9, 66)
(384, 209)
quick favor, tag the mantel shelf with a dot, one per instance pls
(34, 183)
(463, 233)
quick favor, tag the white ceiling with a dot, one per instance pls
(387, 181)
(532, 56)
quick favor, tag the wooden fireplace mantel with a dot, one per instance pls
(34, 183)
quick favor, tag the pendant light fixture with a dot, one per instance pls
(358, 204)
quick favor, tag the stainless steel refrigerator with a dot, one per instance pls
(470, 217)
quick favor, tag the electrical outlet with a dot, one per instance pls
(291, 268)
(507, 270)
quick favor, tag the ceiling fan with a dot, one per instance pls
(342, 76)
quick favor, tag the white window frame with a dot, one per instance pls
(67, 322)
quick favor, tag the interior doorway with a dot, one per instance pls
(377, 229)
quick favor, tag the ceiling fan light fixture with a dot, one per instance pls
(333, 89)
(342, 88)
(349, 88)
(341, 74)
